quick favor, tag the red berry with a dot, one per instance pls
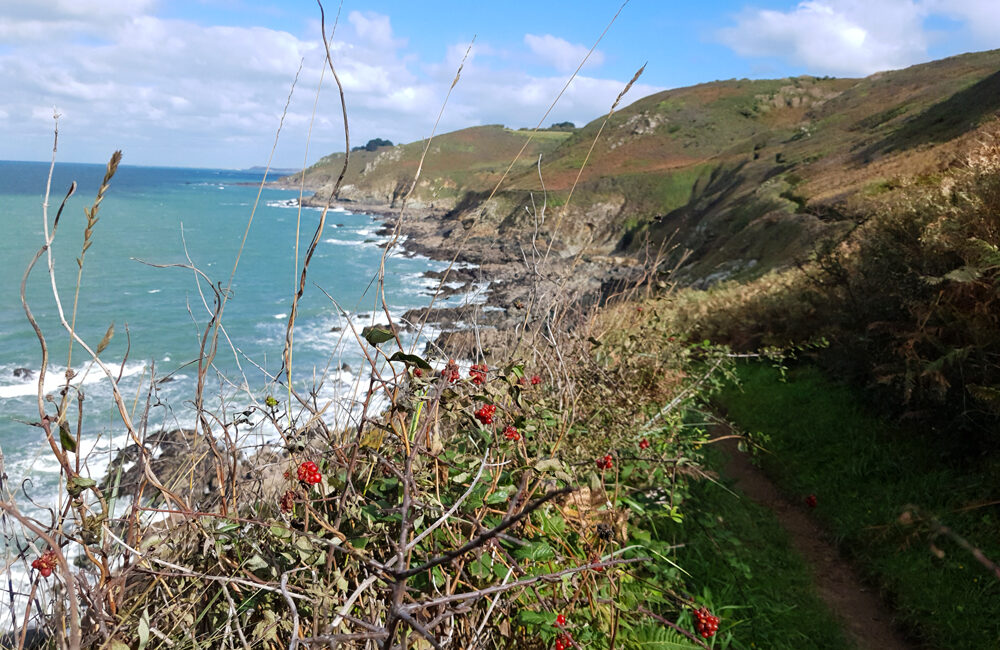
(485, 413)
(309, 473)
(811, 501)
(560, 620)
(450, 371)
(510, 433)
(45, 571)
(535, 380)
(478, 373)
(644, 444)
(417, 372)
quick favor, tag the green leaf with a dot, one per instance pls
(410, 359)
(143, 630)
(66, 437)
(964, 274)
(549, 465)
(529, 617)
(107, 338)
(280, 532)
(634, 506)
(537, 551)
(376, 335)
(76, 485)
(256, 562)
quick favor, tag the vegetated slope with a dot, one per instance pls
(471, 159)
(745, 174)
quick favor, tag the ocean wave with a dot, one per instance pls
(282, 203)
(55, 379)
(343, 242)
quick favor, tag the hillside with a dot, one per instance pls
(458, 162)
(745, 174)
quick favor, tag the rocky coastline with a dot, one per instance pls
(506, 261)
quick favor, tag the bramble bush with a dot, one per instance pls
(528, 503)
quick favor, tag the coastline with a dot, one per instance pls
(508, 270)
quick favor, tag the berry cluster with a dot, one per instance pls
(605, 463)
(560, 620)
(309, 473)
(288, 501)
(535, 380)
(417, 372)
(478, 373)
(485, 413)
(510, 433)
(644, 444)
(450, 371)
(45, 564)
(564, 642)
(811, 501)
(708, 625)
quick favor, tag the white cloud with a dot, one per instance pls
(847, 37)
(858, 37)
(212, 95)
(374, 29)
(560, 53)
(981, 16)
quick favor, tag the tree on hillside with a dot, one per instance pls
(372, 145)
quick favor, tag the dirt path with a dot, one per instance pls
(865, 616)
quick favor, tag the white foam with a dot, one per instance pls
(282, 203)
(55, 379)
(343, 242)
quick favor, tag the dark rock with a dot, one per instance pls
(24, 373)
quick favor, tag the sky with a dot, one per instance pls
(204, 83)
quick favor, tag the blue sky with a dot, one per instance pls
(204, 82)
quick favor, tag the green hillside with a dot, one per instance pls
(745, 174)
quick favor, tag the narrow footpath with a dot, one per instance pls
(865, 616)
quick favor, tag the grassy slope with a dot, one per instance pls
(469, 160)
(864, 473)
(740, 170)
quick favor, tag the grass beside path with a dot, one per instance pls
(742, 556)
(866, 474)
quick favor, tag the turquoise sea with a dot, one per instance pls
(158, 313)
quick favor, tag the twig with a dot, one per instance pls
(482, 538)
(548, 577)
(657, 617)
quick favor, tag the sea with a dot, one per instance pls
(155, 226)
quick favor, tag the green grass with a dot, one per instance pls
(738, 551)
(865, 472)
